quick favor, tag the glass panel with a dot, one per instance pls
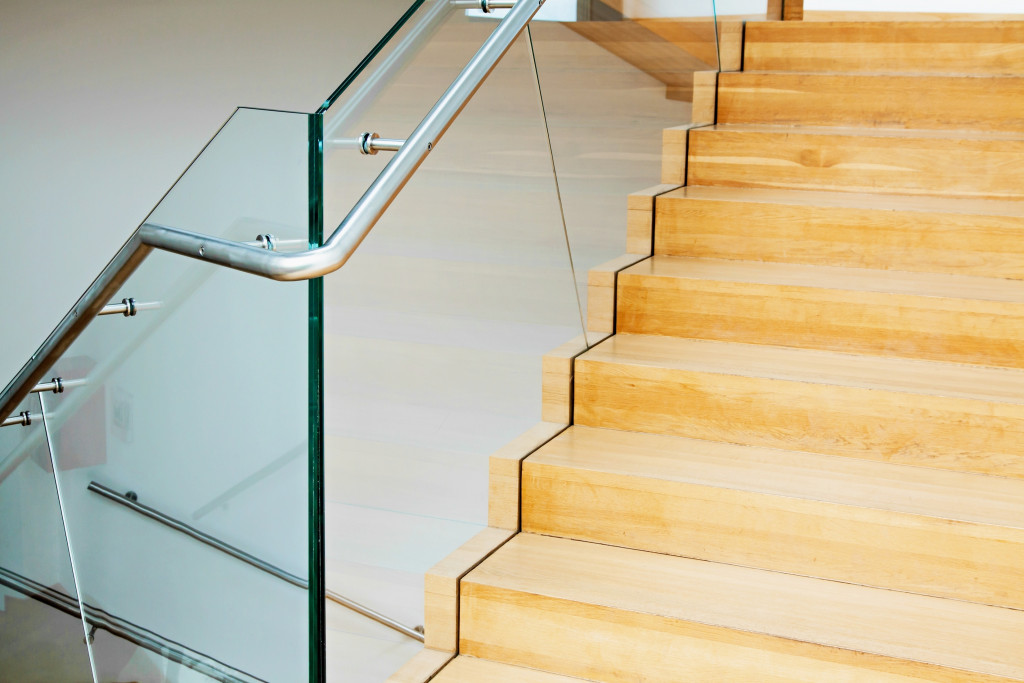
(42, 637)
(199, 405)
(613, 80)
(437, 326)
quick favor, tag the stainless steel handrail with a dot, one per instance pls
(209, 540)
(371, 206)
(301, 265)
(414, 633)
(133, 504)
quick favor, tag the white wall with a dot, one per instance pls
(105, 102)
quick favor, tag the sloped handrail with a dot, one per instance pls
(303, 265)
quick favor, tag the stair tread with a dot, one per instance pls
(959, 496)
(944, 285)
(465, 669)
(864, 132)
(854, 200)
(949, 633)
(813, 366)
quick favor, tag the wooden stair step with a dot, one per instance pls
(954, 47)
(945, 317)
(915, 412)
(968, 164)
(931, 234)
(877, 101)
(465, 669)
(605, 613)
(934, 532)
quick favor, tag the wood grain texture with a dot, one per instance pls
(674, 145)
(858, 160)
(646, 50)
(640, 218)
(801, 513)
(557, 377)
(697, 36)
(504, 474)
(793, 10)
(988, 47)
(910, 412)
(912, 315)
(855, 16)
(577, 609)
(441, 587)
(887, 101)
(705, 89)
(422, 667)
(921, 234)
(601, 292)
(465, 669)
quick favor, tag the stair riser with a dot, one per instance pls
(964, 244)
(893, 47)
(853, 163)
(992, 104)
(916, 429)
(607, 644)
(926, 555)
(933, 328)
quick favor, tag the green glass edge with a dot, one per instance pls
(317, 606)
(370, 57)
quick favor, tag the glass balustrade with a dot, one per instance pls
(229, 449)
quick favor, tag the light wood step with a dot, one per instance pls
(873, 101)
(914, 412)
(983, 47)
(934, 532)
(465, 669)
(968, 164)
(952, 318)
(605, 613)
(931, 234)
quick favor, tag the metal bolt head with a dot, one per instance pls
(132, 496)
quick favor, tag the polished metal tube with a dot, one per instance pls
(209, 540)
(58, 384)
(23, 418)
(367, 211)
(89, 304)
(231, 550)
(415, 633)
(291, 266)
(485, 5)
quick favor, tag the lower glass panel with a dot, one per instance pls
(182, 439)
(41, 633)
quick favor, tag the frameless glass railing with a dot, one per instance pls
(221, 452)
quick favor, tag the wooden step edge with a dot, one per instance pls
(860, 538)
(441, 587)
(825, 199)
(557, 376)
(847, 131)
(601, 291)
(860, 17)
(505, 472)
(963, 497)
(466, 669)
(640, 218)
(973, 290)
(939, 379)
(674, 152)
(717, 621)
(423, 667)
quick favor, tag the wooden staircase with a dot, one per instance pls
(801, 456)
